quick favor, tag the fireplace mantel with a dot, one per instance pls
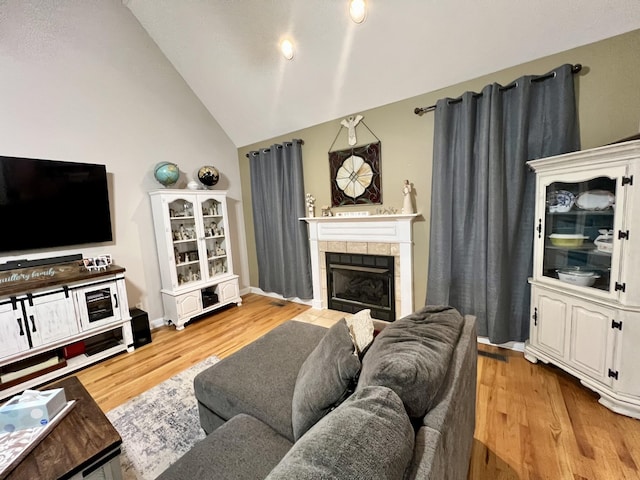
(372, 234)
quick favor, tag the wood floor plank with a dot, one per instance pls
(533, 422)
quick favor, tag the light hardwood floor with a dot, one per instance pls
(533, 421)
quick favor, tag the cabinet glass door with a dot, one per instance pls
(579, 232)
(214, 237)
(185, 241)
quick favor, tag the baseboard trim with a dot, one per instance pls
(157, 323)
(259, 291)
(516, 346)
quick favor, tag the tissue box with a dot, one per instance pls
(30, 409)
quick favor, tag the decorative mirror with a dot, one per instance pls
(355, 176)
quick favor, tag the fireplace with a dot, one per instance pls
(356, 282)
(368, 235)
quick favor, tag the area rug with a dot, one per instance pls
(160, 425)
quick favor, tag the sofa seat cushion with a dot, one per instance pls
(412, 355)
(260, 378)
(243, 448)
(327, 377)
(369, 436)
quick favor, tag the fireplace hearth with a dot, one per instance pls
(356, 282)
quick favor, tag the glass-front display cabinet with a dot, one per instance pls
(195, 260)
(585, 287)
(576, 229)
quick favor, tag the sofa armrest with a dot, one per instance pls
(444, 442)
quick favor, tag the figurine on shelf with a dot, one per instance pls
(311, 205)
(326, 211)
(220, 251)
(407, 204)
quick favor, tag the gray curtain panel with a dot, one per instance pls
(482, 204)
(278, 199)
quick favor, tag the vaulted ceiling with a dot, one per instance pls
(227, 50)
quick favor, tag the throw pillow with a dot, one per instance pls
(368, 437)
(361, 327)
(326, 378)
(412, 355)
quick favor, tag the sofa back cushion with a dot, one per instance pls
(411, 356)
(327, 377)
(369, 436)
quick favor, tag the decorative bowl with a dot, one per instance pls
(582, 278)
(560, 201)
(567, 239)
(604, 241)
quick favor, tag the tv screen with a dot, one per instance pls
(50, 203)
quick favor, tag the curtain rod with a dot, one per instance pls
(422, 110)
(288, 144)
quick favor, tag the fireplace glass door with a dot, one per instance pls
(356, 282)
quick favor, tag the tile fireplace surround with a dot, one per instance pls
(368, 235)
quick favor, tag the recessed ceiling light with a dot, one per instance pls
(286, 47)
(358, 10)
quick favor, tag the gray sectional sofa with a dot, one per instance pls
(297, 404)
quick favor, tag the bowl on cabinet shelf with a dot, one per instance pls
(560, 201)
(567, 239)
(577, 276)
(604, 241)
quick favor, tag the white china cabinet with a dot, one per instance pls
(194, 253)
(585, 288)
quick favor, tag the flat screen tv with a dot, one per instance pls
(51, 203)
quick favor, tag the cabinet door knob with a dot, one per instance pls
(33, 324)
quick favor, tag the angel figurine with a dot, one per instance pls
(351, 123)
(311, 202)
(407, 204)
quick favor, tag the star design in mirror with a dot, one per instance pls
(354, 176)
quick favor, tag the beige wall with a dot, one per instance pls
(608, 90)
(82, 81)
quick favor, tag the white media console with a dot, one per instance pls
(55, 319)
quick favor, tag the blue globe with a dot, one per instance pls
(166, 173)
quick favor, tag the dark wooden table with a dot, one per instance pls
(83, 440)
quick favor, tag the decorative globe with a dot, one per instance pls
(166, 173)
(208, 175)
